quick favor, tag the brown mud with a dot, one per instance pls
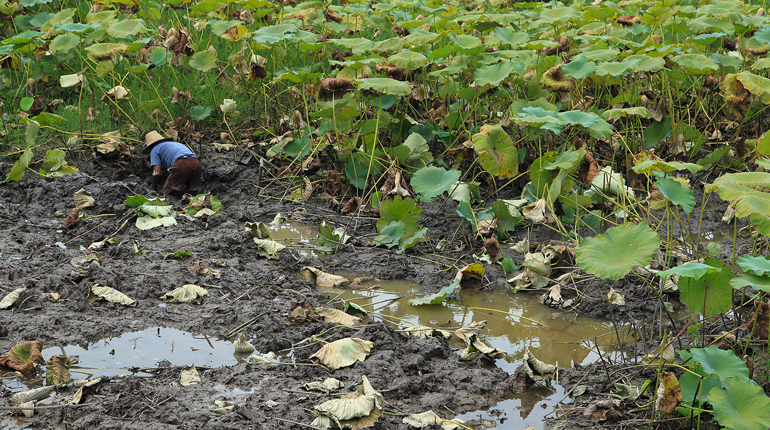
(414, 375)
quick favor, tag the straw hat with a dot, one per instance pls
(151, 139)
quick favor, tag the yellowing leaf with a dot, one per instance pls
(242, 346)
(189, 376)
(101, 292)
(11, 298)
(342, 353)
(57, 370)
(268, 248)
(336, 315)
(83, 199)
(322, 279)
(188, 293)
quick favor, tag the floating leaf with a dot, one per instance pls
(100, 292)
(268, 358)
(432, 181)
(434, 299)
(268, 248)
(242, 346)
(189, 376)
(613, 254)
(23, 356)
(322, 279)
(188, 293)
(257, 230)
(342, 353)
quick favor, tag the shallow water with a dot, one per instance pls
(301, 237)
(132, 351)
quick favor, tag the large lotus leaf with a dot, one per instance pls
(740, 405)
(63, 43)
(567, 160)
(268, 248)
(695, 388)
(493, 75)
(126, 27)
(579, 68)
(758, 265)
(408, 59)
(722, 363)
(57, 370)
(759, 283)
(432, 181)
(342, 353)
(100, 292)
(385, 86)
(558, 15)
(188, 293)
(391, 234)
(746, 194)
(616, 68)
(105, 51)
(498, 154)
(755, 84)
(656, 132)
(436, 298)
(11, 298)
(665, 166)
(710, 295)
(678, 194)
(697, 64)
(270, 34)
(204, 60)
(616, 114)
(690, 270)
(400, 209)
(614, 254)
(23, 356)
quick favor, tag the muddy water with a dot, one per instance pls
(514, 322)
(301, 237)
(132, 351)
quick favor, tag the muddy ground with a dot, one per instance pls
(414, 375)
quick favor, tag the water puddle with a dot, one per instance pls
(131, 352)
(562, 338)
(301, 237)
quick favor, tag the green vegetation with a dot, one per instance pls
(599, 114)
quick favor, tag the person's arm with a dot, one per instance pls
(155, 170)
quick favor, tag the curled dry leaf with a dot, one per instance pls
(553, 297)
(589, 170)
(536, 370)
(72, 218)
(188, 293)
(600, 411)
(539, 212)
(759, 321)
(615, 297)
(92, 114)
(83, 199)
(473, 329)
(23, 356)
(554, 80)
(100, 292)
(258, 230)
(31, 395)
(342, 353)
(57, 370)
(302, 310)
(322, 279)
(488, 228)
(116, 94)
(429, 417)
(202, 269)
(629, 20)
(667, 356)
(492, 248)
(268, 248)
(359, 409)
(83, 385)
(333, 182)
(333, 88)
(11, 298)
(242, 346)
(669, 394)
(336, 315)
(395, 185)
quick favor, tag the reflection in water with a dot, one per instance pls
(563, 337)
(297, 234)
(135, 350)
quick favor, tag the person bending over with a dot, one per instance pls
(184, 168)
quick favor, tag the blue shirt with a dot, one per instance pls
(166, 153)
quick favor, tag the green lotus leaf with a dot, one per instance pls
(710, 295)
(508, 37)
(559, 15)
(756, 85)
(432, 181)
(757, 282)
(271, 34)
(601, 54)
(614, 254)
(690, 270)
(203, 60)
(408, 59)
(19, 167)
(105, 51)
(63, 43)
(758, 265)
(498, 154)
(696, 64)
(493, 75)
(616, 68)
(399, 209)
(674, 191)
(385, 86)
(665, 166)
(391, 234)
(740, 405)
(579, 68)
(434, 299)
(746, 194)
(126, 27)
(656, 132)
